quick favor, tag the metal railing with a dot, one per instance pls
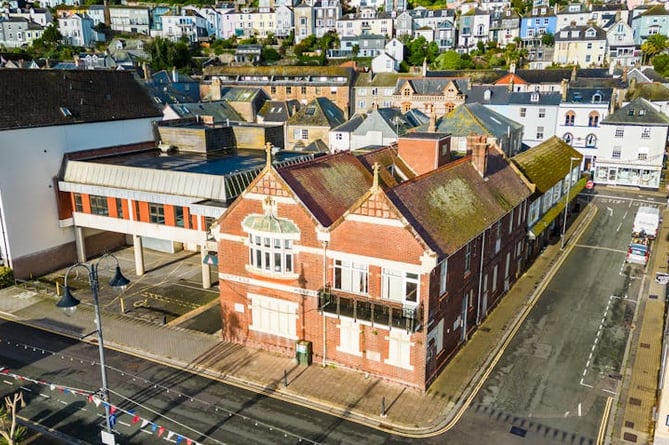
(375, 311)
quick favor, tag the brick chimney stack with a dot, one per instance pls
(477, 145)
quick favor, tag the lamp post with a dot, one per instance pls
(566, 202)
(69, 305)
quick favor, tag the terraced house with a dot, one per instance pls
(383, 262)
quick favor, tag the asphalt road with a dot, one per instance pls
(555, 377)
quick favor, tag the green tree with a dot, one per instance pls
(661, 64)
(355, 50)
(10, 432)
(654, 45)
(269, 54)
(548, 39)
(450, 60)
(166, 54)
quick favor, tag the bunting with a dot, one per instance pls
(115, 411)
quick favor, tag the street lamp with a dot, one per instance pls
(566, 201)
(69, 305)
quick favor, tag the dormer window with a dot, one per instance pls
(534, 97)
(597, 98)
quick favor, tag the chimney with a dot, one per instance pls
(573, 73)
(511, 83)
(175, 77)
(624, 75)
(564, 87)
(76, 60)
(477, 145)
(145, 68)
(512, 68)
(215, 93)
(432, 125)
(425, 67)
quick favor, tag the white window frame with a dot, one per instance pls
(263, 251)
(353, 276)
(396, 286)
(443, 277)
(273, 316)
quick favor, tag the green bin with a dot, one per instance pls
(303, 352)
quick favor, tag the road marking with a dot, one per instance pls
(585, 384)
(579, 410)
(602, 425)
(566, 413)
(45, 396)
(123, 423)
(63, 402)
(600, 248)
(610, 211)
(609, 391)
(619, 226)
(8, 382)
(24, 388)
(625, 215)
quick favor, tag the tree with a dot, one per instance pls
(355, 50)
(269, 54)
(548, 39)
(661, 64)
(450, 60)
(166, 54)
(654, 45)
(9, 431)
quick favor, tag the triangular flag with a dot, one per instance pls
(67, 391)
(52, 386)
(5, 371)
(154, 427)
(169, 435)
(189, 442)
(144, 423)
(112, 409)
(96, 401)
(135, 419)
(90, 398)
(179, 439)
(161, 430)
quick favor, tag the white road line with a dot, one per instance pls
(147, 432)
(579, 410)
(610, 210)
(45, 396)
(592, 349)
(24, 388)
(610, 392)
(8, 382)
(585, 384)
(82, 409)
(585, 371)
(566, 413)
(124, 423)
(587, 363)
(619, 226)
(625, 214)
(63, 402)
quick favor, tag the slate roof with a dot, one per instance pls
(320, 112)
(278, 110)
(432, 86)
(450, 206)
(638, 112)
(546, 164)
(70, 97)
(475, 76)
(653, 75)
(475, 118)
(655, 10)
(352, 124)
(279, 70)
(379, 79)
(599, 34)
(393, 169)
(328, 186)
(556, 76)
(219, 109)
(585, 95)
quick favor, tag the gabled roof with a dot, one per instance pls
(433, 86)
(655, 10)
(370, 79)
(588, 95)
(581, 30)
(328, 186)
(547, 163)
(220, 110)
(320, 112)
(70, 97)
(350, 125)
(637, 112)
(278, 110)
(511, 78)
(393, 169)
(475, 118)
(450, 206)
(649, 91)
(653, 75)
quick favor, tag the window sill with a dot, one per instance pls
(274, 275)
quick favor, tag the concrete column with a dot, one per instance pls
(80, 243)
(206, 272)
(139, 255)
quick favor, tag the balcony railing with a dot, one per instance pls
(377, 312)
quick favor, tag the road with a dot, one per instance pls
(565, 361)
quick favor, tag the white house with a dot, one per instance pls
(632, 146)
(77, 30)
(385, 63)
(622, 50)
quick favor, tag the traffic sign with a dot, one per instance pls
(589, 185)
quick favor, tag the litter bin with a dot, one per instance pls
(303, 352)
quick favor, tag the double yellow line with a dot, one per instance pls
(605, 420)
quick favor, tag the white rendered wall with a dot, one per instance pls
(31, 159)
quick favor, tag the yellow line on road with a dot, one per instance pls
(605, 420)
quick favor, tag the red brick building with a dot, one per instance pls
(376, 267)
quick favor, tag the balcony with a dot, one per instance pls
(376, 312)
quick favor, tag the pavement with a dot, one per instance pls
(149, 321)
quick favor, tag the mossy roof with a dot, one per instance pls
(650, 91)
(450, 206)
(547, 163)
(638, 112)
(475, 118)
(286, 71)
(320, 112)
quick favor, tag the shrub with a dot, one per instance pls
(6, 277)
